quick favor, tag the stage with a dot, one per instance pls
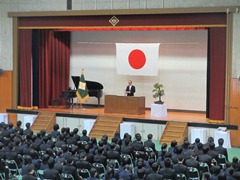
(183, 116)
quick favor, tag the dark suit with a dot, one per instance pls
(132, 90)
(154, 176)
(127, 149)
(222, 150)
(51, 174)
(138, 146)
(84, 138)
(113, 154)
(213, 154)
(205, 158)
(82, 164)
(150, 144)
(98, 158)
(168, 173)
(29, 177)
(12, 155)
(181, 169)
(192, 163)
(69, 169)
(125, 175)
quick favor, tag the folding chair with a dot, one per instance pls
(41, 154)
(100, 169)
(40, 174)
(2, 176)
(203, 167)
(113, 161)
(66, 176)
(193, 173)
(128, 158)
(57, 149)
(181, 176)
(221, 160)
(13, 167)
(84, 173)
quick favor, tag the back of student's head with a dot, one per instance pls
(180, 158)
(138, 137)
(84, 132)
(150, 162)
(222, 176)
(200, 145)
(178, 149)
(205, 149)
(112, 145)
(100, 150)
(141, 173)
(210, 139)
(220, 141)
(45, 158)
(140, 164)
(55, 127)
(27, 125)
(167, 162)
(173, 143)
(51, 163)
(211, 145)
(19, 123)
(149, 136)
(155, 167)
(197, 140)
(93, 172)
(94, 140)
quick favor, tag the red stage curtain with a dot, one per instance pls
(54, 65)
(217, 71)
(25, 72)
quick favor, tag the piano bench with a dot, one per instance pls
(55, 102)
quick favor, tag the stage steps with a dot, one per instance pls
(105, 125)
(44, 120)
(174, 131)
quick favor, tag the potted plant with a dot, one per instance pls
(158, 92)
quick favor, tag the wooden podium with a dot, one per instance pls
(124, 104)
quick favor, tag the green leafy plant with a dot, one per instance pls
(158, 92)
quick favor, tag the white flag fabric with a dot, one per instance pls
(140, 59)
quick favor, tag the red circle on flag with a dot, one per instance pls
(137, 59)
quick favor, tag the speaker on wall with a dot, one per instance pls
(69, 4)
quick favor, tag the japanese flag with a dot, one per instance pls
(137, 59)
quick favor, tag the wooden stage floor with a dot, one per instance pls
(195, 117)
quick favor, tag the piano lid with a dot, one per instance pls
(90, 84)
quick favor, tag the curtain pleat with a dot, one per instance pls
(54, 65)
(216, 74)
(25, 72)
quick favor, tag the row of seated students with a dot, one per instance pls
(66, 152)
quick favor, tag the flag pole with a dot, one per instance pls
(82, 92)
(81, 106)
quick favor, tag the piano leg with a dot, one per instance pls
(98, 102)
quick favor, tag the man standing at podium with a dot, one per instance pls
(130, 90)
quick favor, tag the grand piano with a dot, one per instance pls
(94, 88)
